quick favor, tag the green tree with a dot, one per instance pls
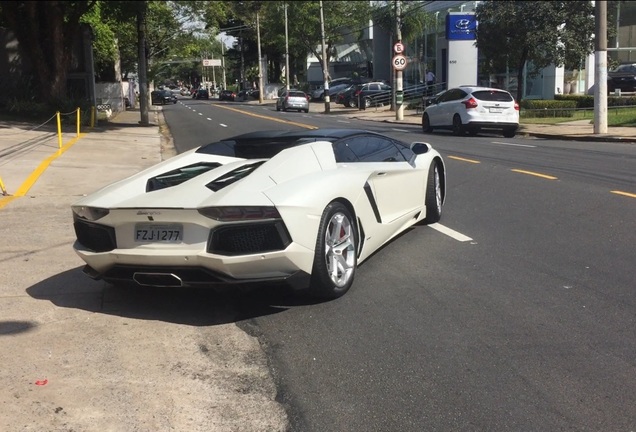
(342, 19)
(537, 33)
(46, 32)
(414, 21)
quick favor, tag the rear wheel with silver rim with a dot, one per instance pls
(335, 259)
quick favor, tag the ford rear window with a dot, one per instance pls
(492, 96)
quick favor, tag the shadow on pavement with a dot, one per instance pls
(189, 306)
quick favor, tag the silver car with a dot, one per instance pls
(292, 100)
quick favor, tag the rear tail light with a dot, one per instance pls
(89, 213)
(470, 103)
(240, 213)
(516, 106)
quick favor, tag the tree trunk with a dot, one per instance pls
(520, 67)
(46, 34)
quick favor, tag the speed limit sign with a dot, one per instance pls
(399, 62)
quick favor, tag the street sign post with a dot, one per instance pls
(399, 62)
(398, 48)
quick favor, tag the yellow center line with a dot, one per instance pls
(545, 176)
(463, 160)
(627, 194)
(306, 126)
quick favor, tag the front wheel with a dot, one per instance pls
(335, 259)
(367, 102)
(433, 198)
(458, 127)
(426, 124)
(351, 103)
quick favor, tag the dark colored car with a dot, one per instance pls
(201, 94)
(623, 78)
(345, 97)
(373, 94)
(227, 95)
(162, 97)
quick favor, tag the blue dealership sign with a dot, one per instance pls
(461, 26)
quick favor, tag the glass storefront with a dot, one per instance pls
(621, 49)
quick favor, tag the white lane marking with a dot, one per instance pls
(224, 125)
(399, 130)
(449, 232)
(343, 121)
(200, 114)
(514, 145)
(208, 118)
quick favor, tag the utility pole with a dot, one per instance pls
(242, 83)
(223, 62)
(260, 62)
(325, 70)
(141, 58)
(399, 95)
(286, 50)
(600, 67)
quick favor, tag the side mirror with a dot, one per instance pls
(420, 147)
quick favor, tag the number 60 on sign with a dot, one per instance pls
(399, 62)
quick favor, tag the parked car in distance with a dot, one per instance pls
(201, 94)
(471, 109)
(227, 95)
(622, 78)
(162, 97)
(345, 97)
(373, 94)
(334, 88)
(292, 99)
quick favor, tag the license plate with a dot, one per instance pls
(496, 110)
(158, 233)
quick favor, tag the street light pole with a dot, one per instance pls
(223, 61)
(286, 50)
(260, 63)
(325, 70)
(600, 68)
(399, 96)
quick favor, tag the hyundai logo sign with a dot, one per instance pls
(460, 26)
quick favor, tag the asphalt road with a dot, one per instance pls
(516, 314)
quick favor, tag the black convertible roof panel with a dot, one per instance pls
(266, 144)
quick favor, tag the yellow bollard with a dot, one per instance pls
(59, 130)
(78, 121)
(4, 191)
(92, 120)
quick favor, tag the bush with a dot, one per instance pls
(587, 101)
(541, 108)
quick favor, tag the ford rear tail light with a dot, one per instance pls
(470, 103)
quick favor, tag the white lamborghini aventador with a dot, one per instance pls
(297, 207)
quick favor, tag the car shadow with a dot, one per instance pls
(189, 306)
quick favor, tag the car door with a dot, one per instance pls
(434, 111)
(395, 184)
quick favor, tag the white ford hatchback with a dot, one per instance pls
(469, 109)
